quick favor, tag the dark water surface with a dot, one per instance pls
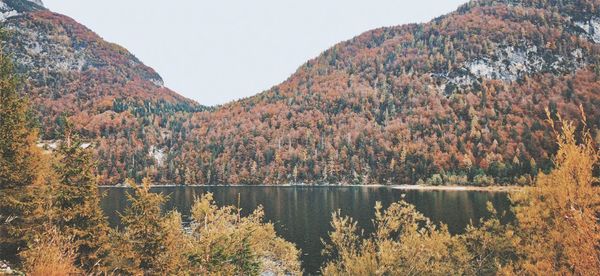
(302, 215)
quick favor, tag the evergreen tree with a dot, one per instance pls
(22, 167)
(77, 202)
(144, 236)
(176, 246)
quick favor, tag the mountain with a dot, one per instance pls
(110, 95)
(460, 99)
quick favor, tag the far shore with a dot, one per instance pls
(459, 188)
(397, 187)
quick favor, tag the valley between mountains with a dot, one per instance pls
(459, 100)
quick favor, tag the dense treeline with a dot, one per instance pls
(403, 105)
(390, 106)
(458, 100)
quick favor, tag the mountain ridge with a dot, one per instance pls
(108, 93)
(457, 100)
(390, 73)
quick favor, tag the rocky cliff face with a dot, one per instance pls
(37, 2)
(13, 8)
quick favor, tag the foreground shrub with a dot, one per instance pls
(52, 254)
(491, 245)
(227, 243)
(404, 243)
(557, 217)
(220, 241)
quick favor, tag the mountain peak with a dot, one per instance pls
(37, 2)
(13, 8)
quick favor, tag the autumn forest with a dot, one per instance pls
(457, 100)
(497, 93)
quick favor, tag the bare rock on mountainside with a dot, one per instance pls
(37, 2)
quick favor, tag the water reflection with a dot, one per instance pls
(302, 214)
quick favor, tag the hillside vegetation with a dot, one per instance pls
(458, 100)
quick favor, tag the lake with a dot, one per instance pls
(302, 215)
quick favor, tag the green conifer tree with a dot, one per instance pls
(77, 202)
(144, 235)
(22, 167)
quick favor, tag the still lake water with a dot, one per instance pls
(302, 215)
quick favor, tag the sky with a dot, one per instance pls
(222, 50)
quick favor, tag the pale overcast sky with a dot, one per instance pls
(220, 50)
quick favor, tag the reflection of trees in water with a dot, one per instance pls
(302, 215)
(313, 206)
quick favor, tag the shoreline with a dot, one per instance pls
(504, 189)
(459, 188)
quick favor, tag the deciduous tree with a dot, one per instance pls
(557, 216)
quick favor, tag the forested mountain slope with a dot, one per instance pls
(460, 98)
(463, 95)
(111, 96)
